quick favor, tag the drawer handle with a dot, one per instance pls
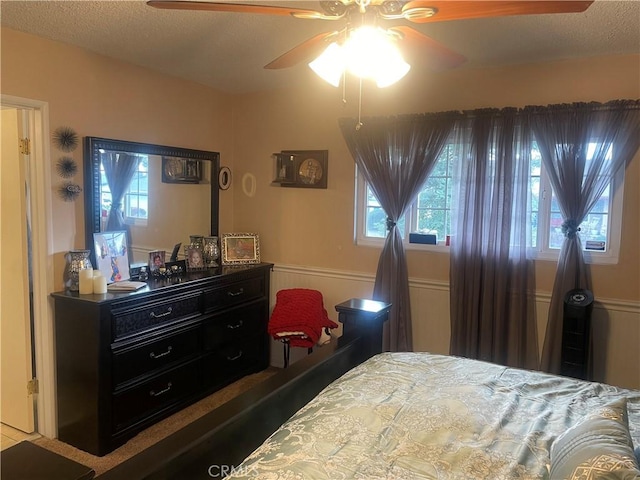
(233, 327)
(231, 359)
(153, 393)
(160, 315)
(239, 292)
(163, 354)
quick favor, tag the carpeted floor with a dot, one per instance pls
(158, 431)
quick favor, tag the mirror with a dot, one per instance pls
(171, 193)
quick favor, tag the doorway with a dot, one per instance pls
(27, 261)
(16, 319)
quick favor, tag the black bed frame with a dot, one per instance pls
(218, 442)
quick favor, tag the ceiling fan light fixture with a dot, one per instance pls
(416, 13)
(330, 65)
(370, 53)
(395, 71)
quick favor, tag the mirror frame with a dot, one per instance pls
(92, 147)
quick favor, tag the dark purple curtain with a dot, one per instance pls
(583, 146)
(119, 169)
(492, 315)
(395, 156)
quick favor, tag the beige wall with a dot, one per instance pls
(98, 96)
(315, 227)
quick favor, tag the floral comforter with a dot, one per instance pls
(424, 416)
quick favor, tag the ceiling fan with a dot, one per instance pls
(358, 12)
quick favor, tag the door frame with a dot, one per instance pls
(39, 177)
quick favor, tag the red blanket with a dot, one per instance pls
(300, 316)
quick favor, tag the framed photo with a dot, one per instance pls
(194, 257)
(112, 255)
(181, 170)
(156, 260)
(240, 248)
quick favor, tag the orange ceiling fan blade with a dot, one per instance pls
(307, 50)
(467, 9)
(440, 57)
(228, 7)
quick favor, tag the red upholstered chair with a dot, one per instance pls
(299, 319)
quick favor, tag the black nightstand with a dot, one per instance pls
(363, 317)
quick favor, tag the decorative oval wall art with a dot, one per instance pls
(224, 178)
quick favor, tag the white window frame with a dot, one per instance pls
(540, 252)
(360, 237)
(614, 228)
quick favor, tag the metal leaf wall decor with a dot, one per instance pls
(69, 191)
(65, 139)
(66, 167)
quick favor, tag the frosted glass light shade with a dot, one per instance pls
(330, 64)
(367, 53)
(396, 69)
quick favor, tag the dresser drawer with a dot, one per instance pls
(234, 360)
(234, 293)
(152, 396)
(130, 321)
(145, 357)
(234, 324)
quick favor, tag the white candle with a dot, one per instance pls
(99, 284)
(86, 281)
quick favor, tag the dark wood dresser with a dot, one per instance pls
(126, 360)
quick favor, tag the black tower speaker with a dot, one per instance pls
(576, 334)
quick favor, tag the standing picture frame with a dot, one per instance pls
(194, 257)
(157, 259)
(240, 248)
(112, 255)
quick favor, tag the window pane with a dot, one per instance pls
(376, 222)
(534, 228)
(555, 231)
(433, 222)
(594, 228)
(434, 193)
(441, 167)
(602, 205)
(372, 201)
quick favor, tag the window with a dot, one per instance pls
(136, 198)
(431, 213)
(599, 231)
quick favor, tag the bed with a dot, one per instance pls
(423, 416)
(350, 412)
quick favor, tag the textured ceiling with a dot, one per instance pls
(228, 50)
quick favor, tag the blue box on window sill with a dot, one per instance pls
(424, 238)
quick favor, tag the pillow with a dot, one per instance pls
(598, 447)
